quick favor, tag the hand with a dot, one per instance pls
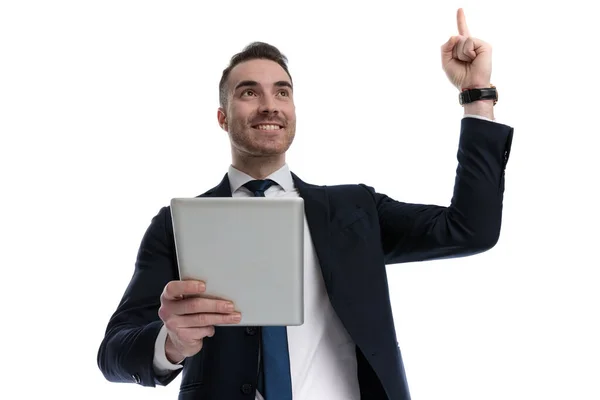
(467, 61)
(190, 319)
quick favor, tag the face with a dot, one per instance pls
(260, 116)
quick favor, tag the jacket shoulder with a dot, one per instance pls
(351, 189)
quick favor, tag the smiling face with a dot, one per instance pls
(260, 115)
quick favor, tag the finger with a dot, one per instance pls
(463, 30)
(459, 50)
(205, 319)
(469, 50)
(479, 46)
(447, 49)
(176, 290)
(201, 305)
(172, 309)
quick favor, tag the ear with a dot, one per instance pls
(222, 118)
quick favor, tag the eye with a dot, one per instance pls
(283, 93)
(248, 92)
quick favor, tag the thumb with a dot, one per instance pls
(447, 49)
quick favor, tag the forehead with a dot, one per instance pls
(265, 72)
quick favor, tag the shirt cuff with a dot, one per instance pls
(478, 116)
(162, 366)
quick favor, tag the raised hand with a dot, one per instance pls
(467, 61)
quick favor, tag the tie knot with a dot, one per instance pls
(258, 187)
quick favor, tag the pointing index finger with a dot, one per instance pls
(463, 30)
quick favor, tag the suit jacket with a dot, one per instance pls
(356, 232)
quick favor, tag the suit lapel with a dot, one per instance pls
(223, 189)
(316, 208)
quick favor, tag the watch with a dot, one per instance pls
(470, 95)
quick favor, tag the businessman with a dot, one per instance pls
(347, 347)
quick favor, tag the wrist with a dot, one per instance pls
(475, 86)
(479, 98)
(174, 356)
(483, 108)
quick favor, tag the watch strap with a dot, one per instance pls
(471, 95)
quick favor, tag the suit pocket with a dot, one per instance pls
(353, 230)
(352, 218)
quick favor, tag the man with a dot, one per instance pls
(347, 347)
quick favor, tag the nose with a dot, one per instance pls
(268, 106)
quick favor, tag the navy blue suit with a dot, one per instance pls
(357, 232)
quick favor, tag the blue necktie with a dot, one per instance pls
(275, 381)
(259, 187)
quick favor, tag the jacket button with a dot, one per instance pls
(250, 331)
(136, 378)
(246, 388)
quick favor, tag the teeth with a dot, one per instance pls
(267, 127)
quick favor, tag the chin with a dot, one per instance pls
(263, 143)
(269, 149)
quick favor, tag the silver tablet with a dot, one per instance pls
(249, 250)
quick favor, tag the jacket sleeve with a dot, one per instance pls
(471, 223)
(127, 350)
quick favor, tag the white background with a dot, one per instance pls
(108, 109)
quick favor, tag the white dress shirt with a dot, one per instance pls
(322, 354)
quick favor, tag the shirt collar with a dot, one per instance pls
(283, 177)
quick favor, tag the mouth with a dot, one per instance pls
(267, 127)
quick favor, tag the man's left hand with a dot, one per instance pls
(467, 61)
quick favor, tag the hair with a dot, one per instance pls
(254, 51)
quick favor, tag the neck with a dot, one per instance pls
(258, 167)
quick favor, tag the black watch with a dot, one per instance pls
(470, 95)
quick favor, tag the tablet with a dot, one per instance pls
(249, 250)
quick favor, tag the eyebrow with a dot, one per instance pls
(254, 84)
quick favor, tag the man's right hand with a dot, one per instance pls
(189, 317)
